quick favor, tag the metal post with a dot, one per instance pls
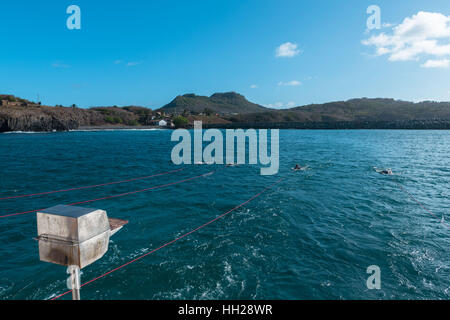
(74, 237)
(73, 282)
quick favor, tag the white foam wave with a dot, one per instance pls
(118, 129)
(24, 132)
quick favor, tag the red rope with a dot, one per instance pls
(175, 240)
(115, 196)
(92, 186)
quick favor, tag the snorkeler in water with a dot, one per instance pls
(386, 172)
(299, 167)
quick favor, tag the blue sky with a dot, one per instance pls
(148, 52)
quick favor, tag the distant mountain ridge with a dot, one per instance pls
(221, 103)
(230, 110)
(355, 110)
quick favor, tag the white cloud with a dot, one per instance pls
(60, 65)
(290, 104)
(292, 83)
(254, 86)
(281, 105)
(443, 63)
(128, 64)
(424, 34)
(287, 50)
(425, 100)
(384, 25)
(276, 105)
(132, 64)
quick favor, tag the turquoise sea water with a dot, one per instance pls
(310, 237)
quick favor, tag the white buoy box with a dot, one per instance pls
(74, 236)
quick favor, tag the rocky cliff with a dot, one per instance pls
(21, 115)
(41, 118)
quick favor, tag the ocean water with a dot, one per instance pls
(312, 236)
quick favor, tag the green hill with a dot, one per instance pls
(221, 103)
(354, 110)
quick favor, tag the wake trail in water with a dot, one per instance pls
(175, 240)
(441, 220)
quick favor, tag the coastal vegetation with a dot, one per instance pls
(180, 122)
(228, 110)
